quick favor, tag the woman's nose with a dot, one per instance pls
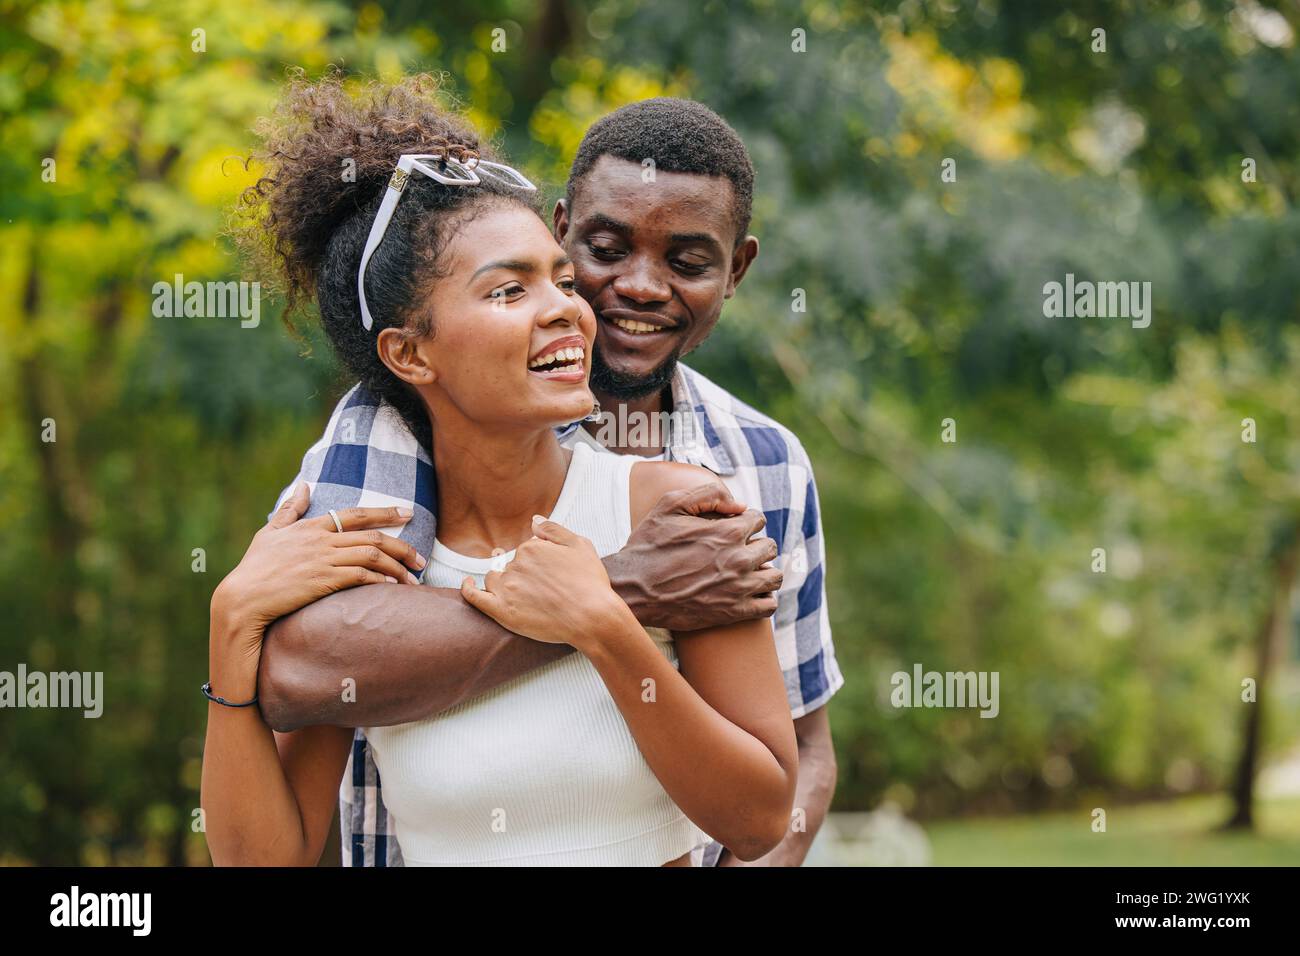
(562, 308)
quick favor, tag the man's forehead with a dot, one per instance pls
(642, 198)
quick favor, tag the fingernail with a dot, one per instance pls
(538, 519)
(419, 561)
(412, 578)
(390, 580)
(404, 512)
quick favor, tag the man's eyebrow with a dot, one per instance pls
(600, 221)
(704, 237)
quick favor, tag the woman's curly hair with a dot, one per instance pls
(327, 155)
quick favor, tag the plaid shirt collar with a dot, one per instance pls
(696, 444)
(368, 457)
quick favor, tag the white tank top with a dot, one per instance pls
(541, 770)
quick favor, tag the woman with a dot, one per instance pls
(443, 291)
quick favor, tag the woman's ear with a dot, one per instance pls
(400, 350)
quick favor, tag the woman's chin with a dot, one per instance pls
(561, 410)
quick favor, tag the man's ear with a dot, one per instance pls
(560, 220)
(400, 351)
(741, 260)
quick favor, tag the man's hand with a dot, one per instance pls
(690, 564)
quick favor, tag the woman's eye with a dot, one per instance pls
(567, 285)
(691, 268)
(506, 292)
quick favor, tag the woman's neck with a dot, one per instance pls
(492, 481)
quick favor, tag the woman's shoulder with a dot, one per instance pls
(649, 481)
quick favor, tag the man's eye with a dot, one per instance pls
(607, 253)
(690, 268)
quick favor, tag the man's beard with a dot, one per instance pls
(624, 387)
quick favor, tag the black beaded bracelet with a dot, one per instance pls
(207, 692)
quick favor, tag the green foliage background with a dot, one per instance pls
(924, 302)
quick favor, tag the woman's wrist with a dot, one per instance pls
(614, 624)
(234, 650)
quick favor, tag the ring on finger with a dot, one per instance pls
(338, 525)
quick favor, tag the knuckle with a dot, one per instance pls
(374, 555)
(374, 537)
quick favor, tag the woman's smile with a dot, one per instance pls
(561, 360)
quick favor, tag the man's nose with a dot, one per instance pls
(643, 282)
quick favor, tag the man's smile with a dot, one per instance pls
(637, 323)
(637, 337)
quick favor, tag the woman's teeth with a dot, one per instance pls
(568, 359)
(631, 325)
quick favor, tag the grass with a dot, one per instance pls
(1174, 833)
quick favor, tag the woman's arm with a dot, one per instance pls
(734, 669)
(717, 734)
(714, 734)
(268, 798)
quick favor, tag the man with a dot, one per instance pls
(655, 217)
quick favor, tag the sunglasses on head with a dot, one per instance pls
(462, 170)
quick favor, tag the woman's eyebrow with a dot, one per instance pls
(519, 265)
(510, 265)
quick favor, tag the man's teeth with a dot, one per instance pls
(572, 356)
(631, 325)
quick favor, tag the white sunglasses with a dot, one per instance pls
(454, 172)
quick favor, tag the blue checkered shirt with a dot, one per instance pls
(367, 457)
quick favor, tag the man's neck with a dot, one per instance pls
(632, 426)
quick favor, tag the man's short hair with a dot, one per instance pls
(681, 136)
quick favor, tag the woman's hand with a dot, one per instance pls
(292, 563)
(554, 590)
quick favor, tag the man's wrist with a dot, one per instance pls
(624, 585)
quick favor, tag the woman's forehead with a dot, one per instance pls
(508, 232)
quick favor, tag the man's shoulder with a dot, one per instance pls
(744, 431)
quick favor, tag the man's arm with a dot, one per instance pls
(812, 796)
(805, 547)
(387, 654)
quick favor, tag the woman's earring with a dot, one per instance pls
(595, 414)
